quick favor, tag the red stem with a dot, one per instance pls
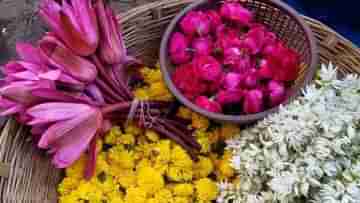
(103, 73)
(116, 107)
(106, 88)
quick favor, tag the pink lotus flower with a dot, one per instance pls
(235, 12)
(195, 22)
(112, 47)
(29, 53)
(225, 97)
(277, 92)
(187, 80)
(253, 102)
(74, 23)
(59, 56)
(72, 126)
(207, 68)
(233, 81)
(282, 64)
(202, 46)
(215, 19)
(178, 48)
(208, 104)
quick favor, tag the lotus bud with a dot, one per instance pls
(74, 23)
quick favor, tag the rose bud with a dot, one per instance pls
(276, 92)
(208, 104)
(215, 19)
(214, 86)
(207, 68)
(251, 79)
(178, 48)
(202, 46)
(195, 22)
(232, 80)
(235, 12)
(238, 60)
(225, 97)
(255, 40)
(187, 81)
(253, 102)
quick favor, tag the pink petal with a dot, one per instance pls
(51, 112)
(51, 75)
(95, 93)
(112, 47)
(61, 57)
(29, 53)
(75, 141)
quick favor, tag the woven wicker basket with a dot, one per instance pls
(26, 174)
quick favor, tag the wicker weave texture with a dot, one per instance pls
(26, 174)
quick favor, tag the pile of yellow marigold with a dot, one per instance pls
(139, 166)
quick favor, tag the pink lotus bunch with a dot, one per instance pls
(74, 83)
(225, 59)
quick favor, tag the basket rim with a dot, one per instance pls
(240, 119)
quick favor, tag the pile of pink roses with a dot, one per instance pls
(225, 59)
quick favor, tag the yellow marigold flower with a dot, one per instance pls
(88, 191)
(76, 170)
(180, 158)
(133, 129)
(135, 195)
(115, 197)
(164, 196)
(164, 151)
(199, 122)
(127, 139)
(183, 189)
(229, 130)
(101, 163)
(224, 168)
(203, 167)
(151, 75)
(184, 113)
(150, 180)
(179, 174)
(71, 198)
(106, 183)
(206, 190)
(143, 163)
(141, 93)
(67, 185)
(159, 91)
(126, 178)
(112, 136)
(118, 155)
(152, 135)
(205, 144)
(152, 200)
(182, 200)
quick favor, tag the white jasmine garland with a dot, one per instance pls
(307, 152)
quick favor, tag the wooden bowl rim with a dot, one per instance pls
(241, 119)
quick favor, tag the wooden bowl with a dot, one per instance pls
(279, 18)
